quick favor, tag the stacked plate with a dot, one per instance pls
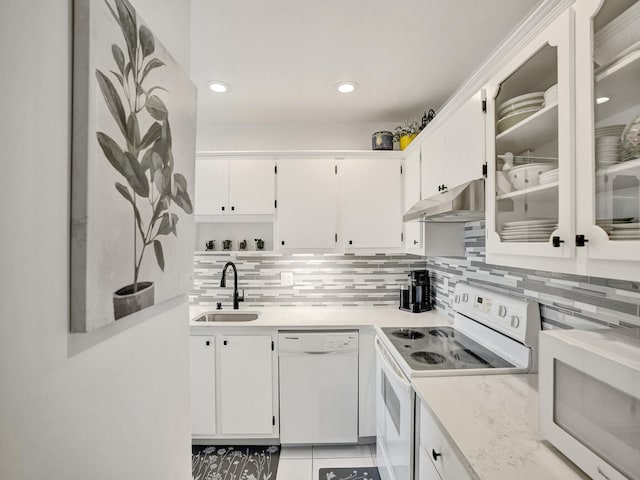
(517, 109)
(535, 230)
(608, 145)
(610, 225)
(548, 177)
(625, 231)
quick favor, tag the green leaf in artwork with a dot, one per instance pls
(145, 163)
(114, 154)
(181, 198)
(153, 63)
(127, 16)
(133, 131)
(118, 56)
(174, 222)
(140, 184)
(112, 99)
(124, 191)
(180, 181)
(153, 134)
(165, 225)
(156, 108)
(157, 248)
(147, 41)
(119, 77)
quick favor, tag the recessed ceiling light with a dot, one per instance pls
(219, 87)
(601, 100)
(346, 87)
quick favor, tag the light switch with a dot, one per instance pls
(286, 279)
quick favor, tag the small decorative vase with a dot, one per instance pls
(631, 138)
(126, 301)
(406, 140)
(243, 245)
(259, 243)
(226, 244)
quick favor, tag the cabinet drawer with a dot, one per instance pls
(438, 450)
(426, 469)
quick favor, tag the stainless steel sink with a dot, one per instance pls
(227, 317)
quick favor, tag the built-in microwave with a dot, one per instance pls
(589, 386)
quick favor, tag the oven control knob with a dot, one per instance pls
(465, 297)
(456, 299)
(515, 321)
(502, 311)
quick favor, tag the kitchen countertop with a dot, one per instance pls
(492, 421)
(313, 317)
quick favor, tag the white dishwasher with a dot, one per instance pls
(318, 386)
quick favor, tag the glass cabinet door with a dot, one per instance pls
(529, 149)
(608, 127)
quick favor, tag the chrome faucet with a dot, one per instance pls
(223, 283)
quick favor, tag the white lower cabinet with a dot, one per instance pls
(367, 383)
(437, 458)
(246, 385)
(203, 386)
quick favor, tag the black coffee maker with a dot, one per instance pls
(414, 297)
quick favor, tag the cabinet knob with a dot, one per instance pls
(282, 242)
(207, 343)
(233, 208)
(556, 241)
(435, 454)
(224, 342)
(415, 242)
(223, 209)
(350, 242)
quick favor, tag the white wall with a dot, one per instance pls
(298, 136)
(69, 409)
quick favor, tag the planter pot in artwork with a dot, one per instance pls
(126, 301)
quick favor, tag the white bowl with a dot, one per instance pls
(526, 176)
(521, 98)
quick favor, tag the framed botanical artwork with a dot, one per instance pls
(134, 115)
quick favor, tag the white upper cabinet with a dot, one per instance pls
(235, 186)
(530, 151)
(307, 204)
(412, 230)
(251, 186)
(608, 168)
(371, 203)
(453, 153)
(211, 186)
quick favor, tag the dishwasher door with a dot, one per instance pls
(318, 387)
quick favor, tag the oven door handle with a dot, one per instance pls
(390, 365)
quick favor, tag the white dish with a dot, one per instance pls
(551, 95)
(618, 35)
(526, 176)
(618, 237)
(526, 240)
(508, 121)
(611, 130)
(519, 106)
(627, 226)
(522, 98)
(533, 221)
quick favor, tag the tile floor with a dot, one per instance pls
(304, 463)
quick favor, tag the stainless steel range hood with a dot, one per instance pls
(463, 203)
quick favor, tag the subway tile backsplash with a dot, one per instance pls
(566, 301)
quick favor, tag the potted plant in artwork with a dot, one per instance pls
(404, 134)
(142, 153)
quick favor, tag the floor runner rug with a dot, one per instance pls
(367, 473)
(234, 463)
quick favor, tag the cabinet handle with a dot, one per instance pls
(435, 454)
(282, 242)
(207, 343)
(224, 342)
(233, 208)
(350, 242)
(223, 209)
(415, 242)
(556, 241)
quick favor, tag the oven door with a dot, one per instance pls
(394, 418)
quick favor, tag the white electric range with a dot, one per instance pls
(491, 334)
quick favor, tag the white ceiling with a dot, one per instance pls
(283, 57)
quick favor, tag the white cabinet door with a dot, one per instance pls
(464, 143)
(426, 470)
(203, 386)
(246, 385)
(307, 202)
(372, 203)
(433, 162)
(251, 186)
(211, 186)
(412, 180)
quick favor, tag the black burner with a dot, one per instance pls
(408, 334)
(468, 356)
(436, 332)
(428, 357)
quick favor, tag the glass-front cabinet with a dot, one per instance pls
(608, 129)
(530, 149)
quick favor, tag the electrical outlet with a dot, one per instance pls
(286, 279)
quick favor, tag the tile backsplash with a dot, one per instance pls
(318, 279)
(567, 301)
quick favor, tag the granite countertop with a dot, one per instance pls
(492, 421)
(313, 317)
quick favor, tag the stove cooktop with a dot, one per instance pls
(442, 348)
